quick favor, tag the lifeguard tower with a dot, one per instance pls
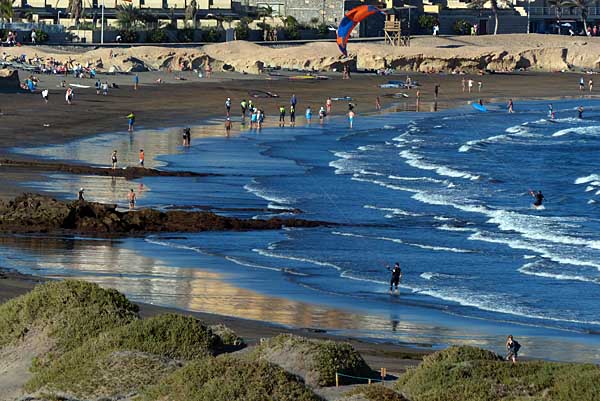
(396, 29)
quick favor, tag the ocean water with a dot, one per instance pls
(445, 194)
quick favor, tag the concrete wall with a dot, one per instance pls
(331, 11)
(507, 23)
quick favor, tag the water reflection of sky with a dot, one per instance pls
(195, 283)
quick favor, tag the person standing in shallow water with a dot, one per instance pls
(131, 198)
(396, 276)
(130, 121)
(113, 159)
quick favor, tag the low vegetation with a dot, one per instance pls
(316, 361)
(226, 379)
(373, 392)
(126, 358)
(472, 374)
(71, 311)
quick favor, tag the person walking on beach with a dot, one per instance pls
(243, 107)
(581, 84)
(45, 95)
(470, 84)
(377, 104)
(464, 84)
(436, 91)
(130, 121)
(591, 84)
(105, 88)
(69, 95)
(113, 159)
(328, 105)
(98, 86)
(511, 106)
(292, 116)
(294, 100)
(396, 276)
(512, 347)
(228, 106)
(281, 115)
(131, 198)
(351, 115)
(80, 194)
(142, 157)
(228, 126)
(308, 114)
(136, 81)
(479, 85)
(186, 136)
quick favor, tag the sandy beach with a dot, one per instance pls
(26, 121)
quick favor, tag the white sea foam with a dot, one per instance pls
(592, 130)
(400, 241)
(590, 188)
(394, 211)
(262, 267)
(533, 269)
(586, 179)
(417, 161)
(270, 196)
(266, 253)
(434, 276)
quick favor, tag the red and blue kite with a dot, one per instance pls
(350, 20)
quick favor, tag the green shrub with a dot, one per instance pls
(242, 29)
(126, 358)
(229, 379)
(462, 27)
(73, 311)
(375, 392)
(427, 21)
(41, 36)
(315, 360)
(227, 336)
(157, 36)
(185, 35)
(211, 34)
(323, 30)
(469, 374)
(128, 36)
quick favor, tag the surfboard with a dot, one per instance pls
(479, 107)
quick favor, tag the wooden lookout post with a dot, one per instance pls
(396, 32)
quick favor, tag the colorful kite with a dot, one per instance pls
(351, 19)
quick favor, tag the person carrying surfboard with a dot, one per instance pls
(539, 198)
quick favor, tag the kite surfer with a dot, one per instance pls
(539, 198)
(396, 276)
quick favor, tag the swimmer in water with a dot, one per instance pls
(580, 112)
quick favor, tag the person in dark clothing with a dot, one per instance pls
(539, 198)
(512, 347)
(80, 194)
(580, 112)
(396, 276)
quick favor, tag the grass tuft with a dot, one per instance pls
(230, 379)
(471, 374)
(317, 361)
(127, 358)
(73, 311)
(375, 392)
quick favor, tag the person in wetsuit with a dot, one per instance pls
(539, 198)
(396, 275)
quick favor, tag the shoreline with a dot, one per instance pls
(395, 357)
(396, 107)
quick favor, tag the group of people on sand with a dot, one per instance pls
(257, 115)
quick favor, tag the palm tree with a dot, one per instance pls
(265, 11)
(76, 10)
(582, 6)
(6, 10)
(480, 5)
(557, 5)
(128, 16)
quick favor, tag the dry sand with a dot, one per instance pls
(470, 53)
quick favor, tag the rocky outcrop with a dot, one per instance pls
(30, 213)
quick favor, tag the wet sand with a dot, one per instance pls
(27, 121)
(395, 358)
